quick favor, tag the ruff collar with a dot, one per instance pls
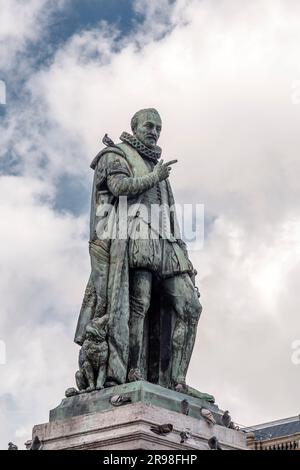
(151, 153)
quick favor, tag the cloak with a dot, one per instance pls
(122, 158)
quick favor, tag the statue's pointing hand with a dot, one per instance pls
(163, 169)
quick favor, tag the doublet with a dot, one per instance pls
(151, 242)
(158, 251)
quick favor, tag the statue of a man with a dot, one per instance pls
(145, 284)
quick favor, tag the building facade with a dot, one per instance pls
(283, 434)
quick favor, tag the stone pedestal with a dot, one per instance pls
(89, 421)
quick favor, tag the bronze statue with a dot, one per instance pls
(143, 285)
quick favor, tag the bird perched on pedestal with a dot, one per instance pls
(12, 446)
(119, 400)
(28, 444)
(213, 443)
(184, 436)
(208, 416)
(162, 429)
(226, 419)
(233, 426)
(185, 407)
(107, 141)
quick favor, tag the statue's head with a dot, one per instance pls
(146, 126)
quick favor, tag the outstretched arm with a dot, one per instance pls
(120, 184)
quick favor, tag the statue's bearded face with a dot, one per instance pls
(148, 129)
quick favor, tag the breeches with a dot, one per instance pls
(160, 256)
(178, 293)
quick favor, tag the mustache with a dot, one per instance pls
(151, 135)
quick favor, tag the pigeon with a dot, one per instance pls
(28, 444)
(185, 408)
(135, 375)
(119, 400)
(12, 446)
(162, 429)
(107, 141)
(213, 443)
(184, 436)
(207, 415)
(70, 392)
(226, 419)
(181, 388)
(233, 426)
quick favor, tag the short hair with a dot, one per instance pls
(135, 118)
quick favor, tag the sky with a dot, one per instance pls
(225, 76)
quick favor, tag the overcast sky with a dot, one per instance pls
(225, 76)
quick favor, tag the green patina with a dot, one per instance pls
(140, 391)
(141, 307)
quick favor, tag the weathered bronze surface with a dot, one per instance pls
(140, 311)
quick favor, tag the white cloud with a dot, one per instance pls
(222, 79)
(2, 92)
(42, 275)
(22, 22)
(243, 352)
